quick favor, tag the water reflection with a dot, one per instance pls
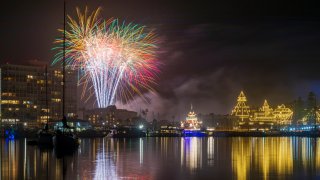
(167, 158)
(105, 164)
(141, 150)
(20, 162)
(210, 151)
(270, 157)
(191, 153)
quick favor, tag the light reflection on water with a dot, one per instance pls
(191, 156)
(167, 158)
(267, 156)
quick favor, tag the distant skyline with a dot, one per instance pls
(210, 51)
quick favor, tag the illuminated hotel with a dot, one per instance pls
(263, 117)
(23, 94)
(241, 110)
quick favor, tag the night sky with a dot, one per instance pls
(210, 52)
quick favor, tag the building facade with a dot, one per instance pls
(218, 121)
(110, 116)
(30, 97)
(263, 118)
(241, 110)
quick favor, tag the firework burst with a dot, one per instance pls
(117, 60)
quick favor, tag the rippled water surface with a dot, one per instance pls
(167, 158)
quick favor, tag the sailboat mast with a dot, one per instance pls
(47, 106)
(64, 59)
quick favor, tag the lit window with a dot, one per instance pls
(27, 102)
(40, 82)
(45, 110)
(56, 100)
(44, 117)
(10, 102)
(29, 77)
(8, 94)
(8, 78)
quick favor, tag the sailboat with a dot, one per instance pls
(45, 135)
(64, 141)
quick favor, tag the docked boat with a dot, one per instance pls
(126, 132)
(64, 140)
(191, 126)
(166, 131)
(9, 133)
(45, 138)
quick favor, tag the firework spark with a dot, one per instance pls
(117, 60)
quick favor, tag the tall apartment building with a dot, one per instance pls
(23, 94)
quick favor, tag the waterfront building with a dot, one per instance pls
(78, 124)
(283, 115)
(167, 131)
(264, 114)
(191, 122)
(110, 116)
(263, 118)
(23, 94)
(241, 110)
(268, 117)
(218, 121)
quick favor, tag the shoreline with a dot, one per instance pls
(214, 134)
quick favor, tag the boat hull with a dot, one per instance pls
(65, 144)
(193, 133)
(45, 139)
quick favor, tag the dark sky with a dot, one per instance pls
(211, 49)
